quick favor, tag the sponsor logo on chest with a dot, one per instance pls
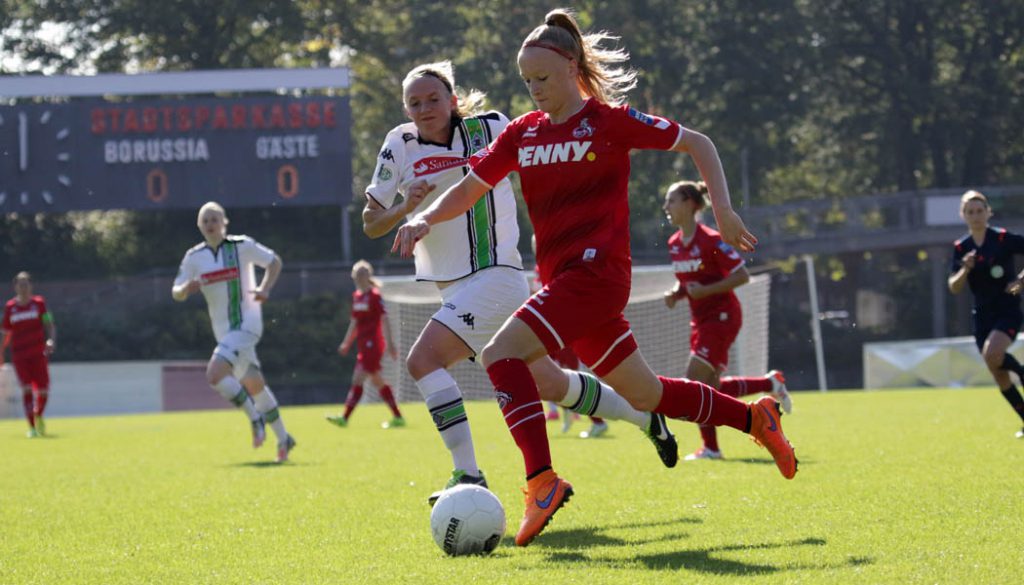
(546, 154)
(686, 266)
(25, 315)
(216, 276)
(436, 164)
(361, 306)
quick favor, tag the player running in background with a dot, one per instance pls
(572, 156)
(32, 339)
(983, 260)
(474, 260)
(222, 268)
(707, 271)
(370, 329)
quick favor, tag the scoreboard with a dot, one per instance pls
(175, 153)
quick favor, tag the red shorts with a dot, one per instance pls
(582, 310)
(33, 371)
(711, 337)
(567, 359)
(370, 354)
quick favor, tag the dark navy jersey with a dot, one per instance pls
(993, 269)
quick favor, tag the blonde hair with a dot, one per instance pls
(364, 265)
(597, 78)
(20, 275)
(211, 206)
(468, 102)
(695, 190)
(972, 195)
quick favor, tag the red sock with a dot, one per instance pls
(41, 395)
(696, 402)
(354, 394)
(389, 397)
(597, 420)
(737, 386)
(710, 436)
(26, 401)
(517, 396)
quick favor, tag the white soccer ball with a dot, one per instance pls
(467, 520)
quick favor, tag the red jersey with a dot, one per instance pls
(575, 178)
(367, 308)
(25, 322)
(705, 259)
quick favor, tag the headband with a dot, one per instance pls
(550, 47)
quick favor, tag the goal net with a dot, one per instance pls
(663, 334)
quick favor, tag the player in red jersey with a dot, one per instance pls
(33, 338)
(572, 156)
(707, 271)
(371, 330)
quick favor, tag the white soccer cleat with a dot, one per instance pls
(779, 391)
(703, 453)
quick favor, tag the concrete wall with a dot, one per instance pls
(951, 361)
(93, 388)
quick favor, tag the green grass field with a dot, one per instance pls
(894, 487)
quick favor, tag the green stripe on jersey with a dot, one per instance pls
(234, 286)
(481, 216)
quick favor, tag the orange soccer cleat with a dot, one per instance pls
(766, 430)
(545, 494)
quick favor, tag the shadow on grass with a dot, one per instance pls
(762, 460)
(706, 561)
(589, 536)
(259, 464)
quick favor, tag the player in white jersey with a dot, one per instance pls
(223, 269)
(475, 262)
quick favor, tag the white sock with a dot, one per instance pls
(231, 389)
(592, 397)
(444, 399)
(266, 403)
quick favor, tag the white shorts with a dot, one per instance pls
(477, 306)
(238, 348)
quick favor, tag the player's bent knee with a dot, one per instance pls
(420, 363)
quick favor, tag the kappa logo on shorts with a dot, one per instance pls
(449, 306)
(468, 319)
(504, 398)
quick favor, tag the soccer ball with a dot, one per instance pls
(467, 520)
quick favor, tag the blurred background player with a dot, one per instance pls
(222, 268)
(29, 331)
(370, 328)
(707, 271)
(474, 260)
(572, 156)
(983, 259)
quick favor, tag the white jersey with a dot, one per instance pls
(487, 235)
(228, 278)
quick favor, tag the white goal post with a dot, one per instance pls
(663, 334)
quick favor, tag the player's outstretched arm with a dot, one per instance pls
(451, 204)
(704, 154)
(378, 221)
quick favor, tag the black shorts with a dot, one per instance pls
(985, 322)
